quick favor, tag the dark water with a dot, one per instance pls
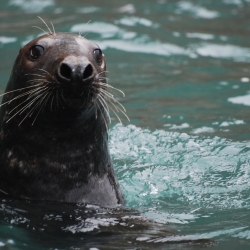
(183, 161)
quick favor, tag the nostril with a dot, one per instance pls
(65, 71)
(88, 71)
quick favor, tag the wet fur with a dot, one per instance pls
(54, 137)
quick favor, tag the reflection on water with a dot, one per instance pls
(184, 160)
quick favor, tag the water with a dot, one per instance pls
(183, 160)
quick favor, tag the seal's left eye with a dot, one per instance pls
(98, 55)
(36, 51)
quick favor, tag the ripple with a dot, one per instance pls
(128, 8)
(86, 10)
(155, 48)
(5, 39)
(101, 28)
(196, 10)
(244, 99)
(200, 36)
(32, 6)
(243, 235)
(225, 51)
(133, 21)
(203, 130)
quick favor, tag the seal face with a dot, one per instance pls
(54, 122)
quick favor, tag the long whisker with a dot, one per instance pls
(47, 73)
(63, 97)
(109, 86)
(53, 28)
(104, 104)
(118, 109)
(105, 71)
(34, 75)
(46, 25)
(42, 105)
(20, 89)
(113, 99)
(95, 110)
(47, 99)
(57, 99)
(80, 32)
(21, 110)
(116, 114)
(40, 29)
(29, 113)
(108, 94)
(19, 96)
(52, 101)
(102, 116)
(31, 102)
(37, 80)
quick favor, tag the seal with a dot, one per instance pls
(54, 124)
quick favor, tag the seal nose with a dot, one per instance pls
(75, 72)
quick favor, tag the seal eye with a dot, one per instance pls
(98, 55)
(36, 51)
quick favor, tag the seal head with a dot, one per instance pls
(54, 124)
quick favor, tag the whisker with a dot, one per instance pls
(19, 90)
(42, 105)
(105, 71)
(95, 110)
(30, 103)
(29, 114)
(86, 35)
(40, 29)
(57, 99)
(106, 93)
(102, 116)
(103, 97)
(109, 86)
(19, 96)
(105, 107)
(38, 80)
(116, 114)
(34, 75)
(106, 79)
(51, 105)
(113, 99)
(117, 108)
(47, 73)
(47, 99)
(21, 110)
(46, 25)
(53, 28)
(63, 97)
(80, 32)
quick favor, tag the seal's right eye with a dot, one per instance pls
(98, 55)
(36, 52)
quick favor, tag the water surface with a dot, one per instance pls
(183, 160)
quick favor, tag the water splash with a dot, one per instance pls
(205, 171)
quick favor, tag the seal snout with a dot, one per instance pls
(75, 70)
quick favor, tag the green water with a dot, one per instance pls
(183, 160)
